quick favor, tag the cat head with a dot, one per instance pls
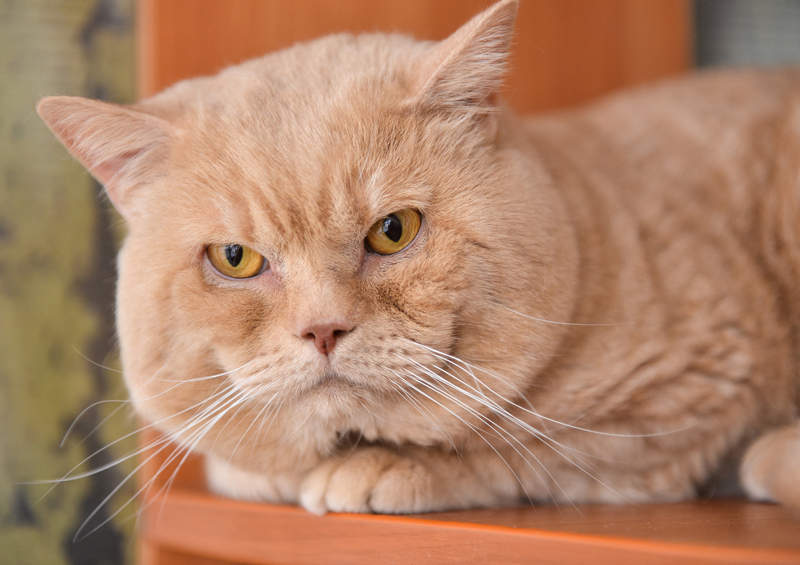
(325, 236)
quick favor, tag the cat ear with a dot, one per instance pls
(120, 146)
(465, 70)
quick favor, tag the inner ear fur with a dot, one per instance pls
(465, 71)
(121, 146)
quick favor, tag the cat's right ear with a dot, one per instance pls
(122, 147)
(464, 72)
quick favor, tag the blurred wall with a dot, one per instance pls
(57, 244)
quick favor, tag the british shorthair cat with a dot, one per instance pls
(355, 280)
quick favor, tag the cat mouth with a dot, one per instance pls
(331, 379)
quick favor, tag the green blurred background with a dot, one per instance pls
(57, 242)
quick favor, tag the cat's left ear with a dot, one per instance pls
(121, 146)
(465, 71)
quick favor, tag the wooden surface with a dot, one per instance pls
(720, 532)
(190, 525)
(565, 51)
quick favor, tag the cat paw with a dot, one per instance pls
(372, 479)
(769, 468)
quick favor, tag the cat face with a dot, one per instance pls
(293, 173)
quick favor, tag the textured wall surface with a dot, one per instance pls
(57, 243)
(747, 32)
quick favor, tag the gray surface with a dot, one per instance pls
(747, 32)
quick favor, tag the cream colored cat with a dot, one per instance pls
(354, 280)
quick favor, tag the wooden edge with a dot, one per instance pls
(145, 48)
(259, 533)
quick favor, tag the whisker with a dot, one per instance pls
(502, 434)
(475, 430)
(419, 407)
(558, 422)
(209, 377)
(267, 404)
(100, 423)
(557, 323)
(269, 420)
(95, 363)
(70, 477)
(116, 489)
(147, 398)
(499, 410)
(215, 419)
(84, 411)
(466, 366)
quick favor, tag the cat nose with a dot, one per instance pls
(325, 335)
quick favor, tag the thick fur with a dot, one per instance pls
(600, 305)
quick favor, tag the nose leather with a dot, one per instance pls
(325, 335)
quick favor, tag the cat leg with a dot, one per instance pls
(228, 480)
(388, 481)
(771, 467)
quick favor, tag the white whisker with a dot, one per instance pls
(501, 433)
(533, 412)
(474, 429)
(68, 476)
(499, 410)
(95, 363)
(556, 323)
(209, 377)
(267, 404)
(199, 436)
(419, 407)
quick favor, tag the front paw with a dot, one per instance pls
(373, 479)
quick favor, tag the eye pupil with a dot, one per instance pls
(234, 253)
(393, 232)
(392, 227)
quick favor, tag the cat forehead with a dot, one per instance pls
(325, 201)
(302, 80)
(302, 151)
(307, 185)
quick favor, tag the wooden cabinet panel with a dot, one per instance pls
(566, 51)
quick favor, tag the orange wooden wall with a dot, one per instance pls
(566, 51)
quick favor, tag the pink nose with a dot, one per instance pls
(325, 335)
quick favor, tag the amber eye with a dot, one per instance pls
(235, 261)
(394, 232)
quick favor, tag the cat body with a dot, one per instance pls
(596, 305)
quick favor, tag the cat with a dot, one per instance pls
(356, 281)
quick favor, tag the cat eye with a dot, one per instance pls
(235, 261)
(394, 232)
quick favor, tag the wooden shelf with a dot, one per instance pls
(191, 524)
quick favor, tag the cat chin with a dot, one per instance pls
(331, 382)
